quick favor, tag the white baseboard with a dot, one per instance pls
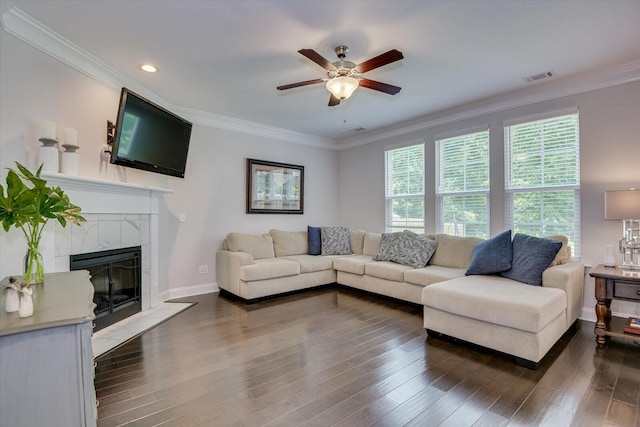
(187, 291)
(589, 314)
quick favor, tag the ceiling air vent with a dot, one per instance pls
(540, 76)
(358, 129)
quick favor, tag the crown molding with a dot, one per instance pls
(17, 23)
(251, 128)
(536, 93)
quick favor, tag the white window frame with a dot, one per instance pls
(390, 226)
(442, 193)
(511, 191)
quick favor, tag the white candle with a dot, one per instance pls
(71, 136)
(49, 129)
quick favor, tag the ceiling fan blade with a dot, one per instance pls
(380, 60)
(379, 86)
(333, 101)
(305, 83)
(318, 59)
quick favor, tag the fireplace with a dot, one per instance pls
(116, 278)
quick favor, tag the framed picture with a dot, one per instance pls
(274, 187)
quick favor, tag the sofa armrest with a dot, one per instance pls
(228, 269)
(570, 278)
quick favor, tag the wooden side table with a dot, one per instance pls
(613, 283)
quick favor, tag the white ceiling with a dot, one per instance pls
(227, 57)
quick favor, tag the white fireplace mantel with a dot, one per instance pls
(98, 196)
(101, 196)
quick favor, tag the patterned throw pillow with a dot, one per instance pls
(413, 249)
(407, 248)
(388, 244)
(335, 241)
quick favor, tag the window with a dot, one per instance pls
(462, 186)
(542, 167)
(404, 188)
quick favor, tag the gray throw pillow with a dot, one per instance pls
(406, 247)
(531, 257)
(413, 249)
(492, 256)
(335, 241)
(388, 245)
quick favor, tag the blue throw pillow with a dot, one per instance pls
(531, 257)
(315, 241)
(492, 256)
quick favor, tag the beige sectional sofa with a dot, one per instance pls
(492, 311)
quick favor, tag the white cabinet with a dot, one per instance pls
(46, 361)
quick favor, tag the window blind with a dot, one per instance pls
(542, 177)
(462, 185)
(404, 188)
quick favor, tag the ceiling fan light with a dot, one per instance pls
(342, 87)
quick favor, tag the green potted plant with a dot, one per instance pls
(28, 205)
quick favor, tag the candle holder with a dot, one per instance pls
(48, 155)
(69, 159)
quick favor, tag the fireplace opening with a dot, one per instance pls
(116, 278)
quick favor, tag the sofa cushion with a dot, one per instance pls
(259, 246)
(492, 256)
(335, 241)
(289, 242)
(386, 270)
(371, 243)
(564, 254)
(269, 268)
(315, 240)
(497, 300)
(531, 256)
(431, 274)
(311, 263)
(352, 264)
(357, 241)
(454, 251)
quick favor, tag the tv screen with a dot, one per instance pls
(150, 138)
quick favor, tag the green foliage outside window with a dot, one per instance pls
(405, 188)
(543, 177)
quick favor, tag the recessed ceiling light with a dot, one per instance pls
(148, 68)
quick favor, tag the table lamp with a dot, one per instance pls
(625, 205)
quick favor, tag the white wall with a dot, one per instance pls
(213, 197)
(610, 152)
(36, 87)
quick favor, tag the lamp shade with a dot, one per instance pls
(622, 204)
(342, 87)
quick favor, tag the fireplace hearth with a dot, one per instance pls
(116, 278)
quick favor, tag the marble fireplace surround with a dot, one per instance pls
(118, 215)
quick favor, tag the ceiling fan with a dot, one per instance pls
(344, 77)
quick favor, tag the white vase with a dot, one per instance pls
(26, 303)
(12, 301)
(609, 259)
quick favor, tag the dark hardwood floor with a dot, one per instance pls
(338, 357)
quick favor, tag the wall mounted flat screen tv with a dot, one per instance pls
(149, 137)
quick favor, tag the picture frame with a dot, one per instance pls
(274, 188)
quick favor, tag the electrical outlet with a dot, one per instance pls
(182, 217)
(203, 269)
